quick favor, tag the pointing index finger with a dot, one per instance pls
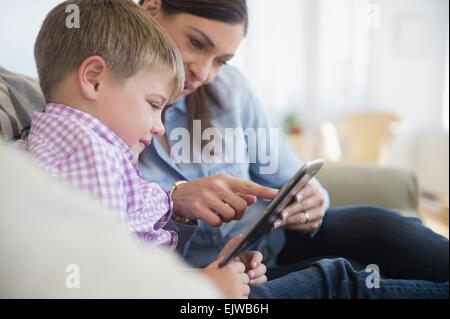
(252, 188)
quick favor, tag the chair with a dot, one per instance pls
(364, 137)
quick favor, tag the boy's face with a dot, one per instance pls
(133, 108)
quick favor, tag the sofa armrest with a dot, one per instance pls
(360, 184)
(20, 97)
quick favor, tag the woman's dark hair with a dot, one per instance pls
(228, 11)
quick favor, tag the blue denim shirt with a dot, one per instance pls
(240, 109)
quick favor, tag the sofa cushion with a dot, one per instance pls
(56, 229)
(361, 184)
(20, 97)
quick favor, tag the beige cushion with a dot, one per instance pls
(45, 227)
(360, 184)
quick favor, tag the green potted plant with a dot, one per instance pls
(292, 124)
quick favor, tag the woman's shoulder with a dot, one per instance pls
(231, 88)
(231, 77)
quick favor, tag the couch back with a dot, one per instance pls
(20, 97)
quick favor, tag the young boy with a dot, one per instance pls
(106, 84)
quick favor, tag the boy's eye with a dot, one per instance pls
(154, 105)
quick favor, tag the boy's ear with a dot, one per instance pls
(91, 74)
(153, 7)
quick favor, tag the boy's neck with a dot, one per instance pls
(69, 94)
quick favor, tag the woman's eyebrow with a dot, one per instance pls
(204, 35)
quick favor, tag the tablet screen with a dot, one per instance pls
(275, 207)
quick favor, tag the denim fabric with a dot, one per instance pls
(337, 279)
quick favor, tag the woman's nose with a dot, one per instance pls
(200, 70)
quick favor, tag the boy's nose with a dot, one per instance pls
(158, 129)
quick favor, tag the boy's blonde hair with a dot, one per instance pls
(119, 31)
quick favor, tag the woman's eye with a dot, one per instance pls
(197, 44)
(221, 62)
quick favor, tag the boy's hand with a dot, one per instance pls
(254, 267)
(232, 279)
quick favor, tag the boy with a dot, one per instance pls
(106, 84)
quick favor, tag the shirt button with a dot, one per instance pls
(215, 238)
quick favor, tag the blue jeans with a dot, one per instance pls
(336, 278)
(412, 259)
(403, 248)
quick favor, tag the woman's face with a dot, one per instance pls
(205, 45)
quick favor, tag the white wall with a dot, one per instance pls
(407, 68)
(273, 53)
(334, 64)
(20, 22)
(406, 75)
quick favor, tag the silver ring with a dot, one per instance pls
(306, 217)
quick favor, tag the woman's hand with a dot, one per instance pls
(231, 279)
(305, 214)
(217, 199)
(254, 267)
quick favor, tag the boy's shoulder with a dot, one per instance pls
(65, 136)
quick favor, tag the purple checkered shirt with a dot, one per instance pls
(76, 147)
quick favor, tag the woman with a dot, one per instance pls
(216, 195)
